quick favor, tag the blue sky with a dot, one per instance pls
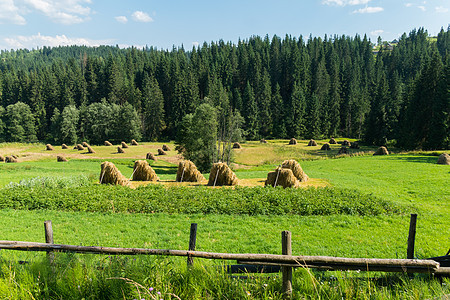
(164, 24)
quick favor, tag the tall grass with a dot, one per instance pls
(51, 182)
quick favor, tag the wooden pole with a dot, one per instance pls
(411, 236)
(286, 249)
(192, 240)
(49, 240)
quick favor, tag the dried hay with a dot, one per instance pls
(381, 151)
(292, 141)
(325, 146)
(14, 156)
(165, 148)
(75, 147)
(134, 143)
(110, 174)
(444, 159)
(187, 171)
(236, 145)
(161, 152)
(282, 177)
(346, 143)
(143, 172)
(49, 147)
(151, 156)
(263, 141)
(80, 147)
(221, 174)
(312, 143)
(60, 158)
(354, 145)
(180, 149)
(343, 150)
(107, 143)
(2, 158)
(296, 169)
(84, 144)
(124, 145)
(64, 146)
(120, 150)
(10, 159)
(90, 150)
(332, 141)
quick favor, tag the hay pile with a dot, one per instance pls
(143, 172)
(165, 148)
(2, 158)
(60, 158)
(151, 156)
(292, 141)
(346, 143)
(325, 146)
(49, 147)
(187, 171)
(124, 145)
(120, 150)
(90, 150)
(64, 146)
(84, 144)
(107, 143)
(110, 174)
(134, 143)
(296, 169)
(312, 143)
(332, 141)
(343, 150)
(10, 159)
(263, 141)
(161, 152)
(14, 156)
(180, 149)
(221, 174)
(382, 151)
(282, 177)
(236, 145)
(354, 145)
(80, 147)
(444, 159)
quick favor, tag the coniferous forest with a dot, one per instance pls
(282, 87)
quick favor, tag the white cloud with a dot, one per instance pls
(121, 19)
(140, 16)
(39, 40)
(195, 44)
(441, 9)
(345, 2)
(408, 4)
(368, 10)
(377, 32)
(422, 8)
(9, 13)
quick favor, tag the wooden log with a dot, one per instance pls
(49, 240)
(442, 272)
(286, 249)
(411, 236)
(192, 241)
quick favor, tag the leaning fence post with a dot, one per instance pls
(192, 240)
(411, 236)
(286, 271)
(49, 239)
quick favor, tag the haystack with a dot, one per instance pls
(14, 156)
(120, 150)
(354, 145)
(332, 141)
(382, 151)
(282, 177)
(10, 159)
(343, 150)
(325, 146)
(187, 171)
(151, 156)
(60, 158)
(236, 145)
(444, 159)
(180, 149)
(165, 148)
(312, 143)
(49, 147)
(2, 158)
(84, 144)
(75, 147)
(296, 169)
(346, 143)
(143, 172)
(110, 174)
(134, 143)
(292, 141)
(90, 150)
(263, 141)
(80, 147)
(64, 146)
(107, 143)
(161, 152)
(221, 174)
(124, 145)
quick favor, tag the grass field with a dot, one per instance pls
(411, 181)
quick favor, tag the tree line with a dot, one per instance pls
(276, 88)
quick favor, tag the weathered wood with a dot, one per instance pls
(411, 236)
(49, 239)
(286, 249)
(192, 241)
(442, 272)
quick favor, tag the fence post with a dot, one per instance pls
(411, 236)
(192, 240)
(286, 271)
(49, 239)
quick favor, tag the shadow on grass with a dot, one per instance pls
(165, 169)
(418, 159)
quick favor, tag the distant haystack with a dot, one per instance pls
(49, 147)
(312, 143)
(80, 147)
(107, 143)
(14, 156)
(60, 158)
(120, 150)
(180, 149)
(354, 145)
(75, 147)
(381, 151)
(109, 174)
(282, 177)
(187, 171)
(263, 141)
(343, 150)
(64, 146)
(2, 158)
(85, 144)
(90, 150)
(134, 143)
(161, 152)
(124, 145)
(236, 145)
(292, 141)
(326, 147)
(143, 172)
(10, 159)
(151, 156)
(444, 159)
(332, 141)
(296, 169)
(165, 147)
(221, 174)
(346, 143)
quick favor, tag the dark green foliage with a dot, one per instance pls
(20, 126)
